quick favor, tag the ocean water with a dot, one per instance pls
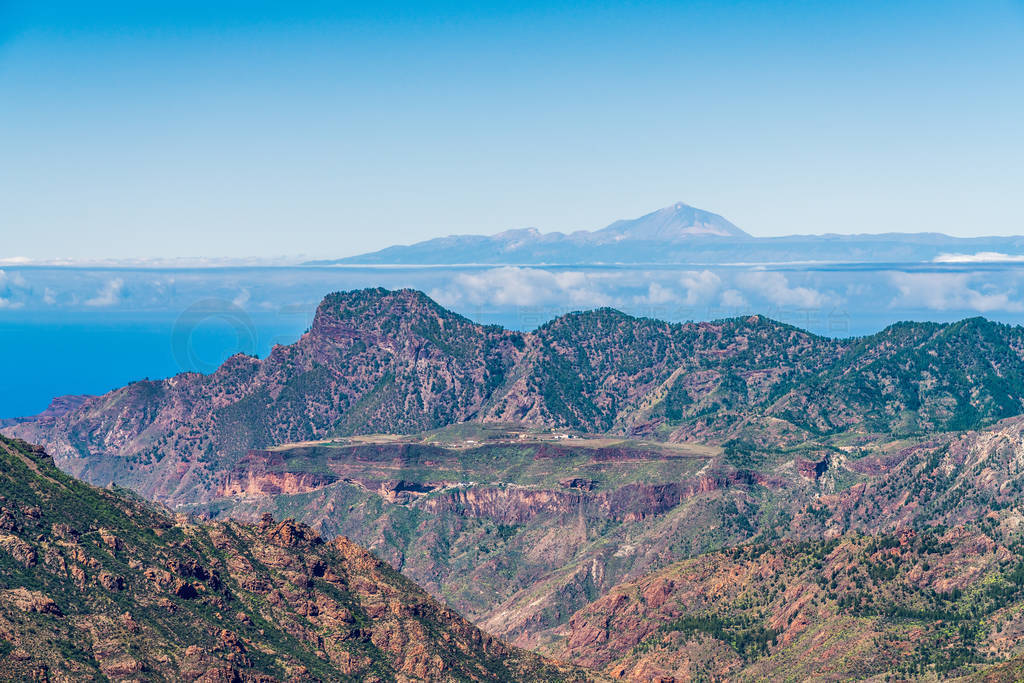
(88, 353)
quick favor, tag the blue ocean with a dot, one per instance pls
(90, 353)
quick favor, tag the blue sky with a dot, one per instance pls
(328, 129)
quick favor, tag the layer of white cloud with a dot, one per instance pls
(733, 298)
(949, 291)
(775, 288)
(109, 295)
(12, 279)
(980, 257)
(657, 294)
(242, 299)
(13, 288)
(701, 286)
(518, 286)
(687, 291)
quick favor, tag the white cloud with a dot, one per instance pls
(733, 298)
(979, 257)
(13, 279)
(656, 294)
(242, 299)
(11, 283)
(775, 288)
(701, 286)
(948, 291)
(109, 295)
(49, 296)
(516, 286)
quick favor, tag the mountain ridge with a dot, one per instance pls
(383, 361)
(682, 234)
(678, 222)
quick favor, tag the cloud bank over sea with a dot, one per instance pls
(88, 329)
(866, 297)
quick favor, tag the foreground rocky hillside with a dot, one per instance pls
(97, 585)
(381, 361)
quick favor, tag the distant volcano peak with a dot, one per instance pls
(642, 239)
(678, 221)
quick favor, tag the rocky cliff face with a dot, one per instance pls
(99, 586)
(380, 361)
(497, 528)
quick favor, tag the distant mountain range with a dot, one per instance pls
(682, 234)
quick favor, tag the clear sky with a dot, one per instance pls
(267, 128)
